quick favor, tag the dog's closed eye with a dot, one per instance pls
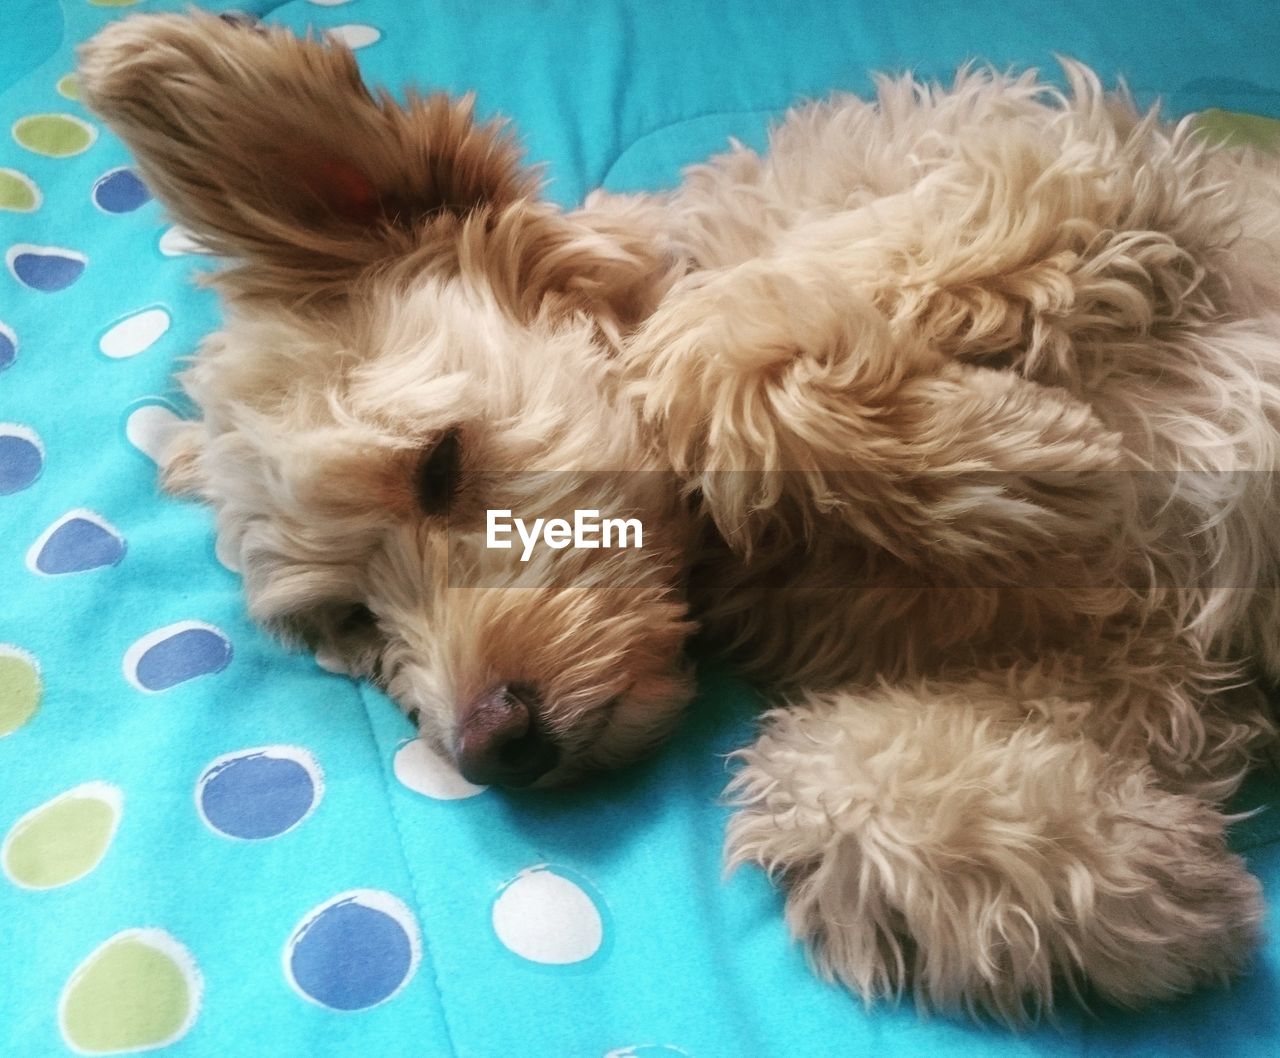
(438, 474)
(356, 620)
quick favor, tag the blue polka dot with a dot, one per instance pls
(356, 951)
(120, 191)
(259, 794)
(77, 542)
(21, 459)
(45, 268)
(174, 654)
(8, 347)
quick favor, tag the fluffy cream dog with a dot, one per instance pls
(972, 400)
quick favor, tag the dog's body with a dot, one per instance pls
(981, 387)
(972, 399)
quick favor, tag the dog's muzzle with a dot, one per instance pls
(502, 742)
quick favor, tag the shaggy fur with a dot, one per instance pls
(972, 401)
(396, 280)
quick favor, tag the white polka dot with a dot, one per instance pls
(422, 770)
(177, 241)
(545, 918)
(134, 334)
(224, 553)
(355, 35)
(150, 428)
(328, 3)
(329, 661)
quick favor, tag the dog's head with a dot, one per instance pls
(413, 340)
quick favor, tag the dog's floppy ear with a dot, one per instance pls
(272, 152)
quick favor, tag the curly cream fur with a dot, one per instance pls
(931, 836)
(353, 341)
(980, 388)
(971, 398)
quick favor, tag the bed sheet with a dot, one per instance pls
(214, 847)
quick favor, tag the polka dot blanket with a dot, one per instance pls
(213, 847)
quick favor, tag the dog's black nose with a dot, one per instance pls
(501, 742)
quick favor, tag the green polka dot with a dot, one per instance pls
(1240, 130)
(64, 839)
(55, 135)
(20, 689)
(68, 87)
(138, 991)
(18, 192)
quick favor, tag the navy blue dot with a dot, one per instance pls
(182, 656)
(20, 463)
(79, 544)
(351, 956)
(8, 347)
(256, 796)
(120, 191)
(46, 270)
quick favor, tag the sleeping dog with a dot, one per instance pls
(950, 420)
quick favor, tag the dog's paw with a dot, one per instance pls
(929, 840)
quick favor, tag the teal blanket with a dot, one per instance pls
(216, 847)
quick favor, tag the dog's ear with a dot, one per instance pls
(273, 153)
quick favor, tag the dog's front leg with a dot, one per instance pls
(933, 839)
(787, 398)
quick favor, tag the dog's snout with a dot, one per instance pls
(502, 742)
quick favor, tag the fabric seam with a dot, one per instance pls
(675, 123)
(427, 949)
